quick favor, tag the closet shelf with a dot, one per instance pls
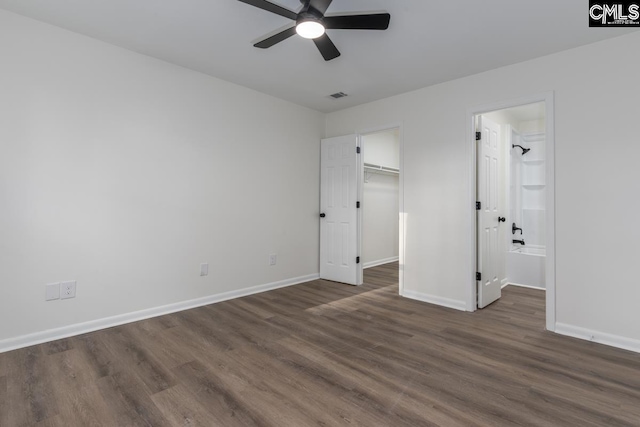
(369, 167)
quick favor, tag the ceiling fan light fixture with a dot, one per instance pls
(310, 29)
(311, 23)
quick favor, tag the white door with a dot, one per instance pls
(339, 233)
(490, 217)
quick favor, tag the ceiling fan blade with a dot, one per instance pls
(326, 47)
(273, 8)
(376, 21)
(320, 5)
(276, 38)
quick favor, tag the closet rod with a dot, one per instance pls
(378, 168)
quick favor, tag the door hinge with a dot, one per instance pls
(357, 260)
(478, 275)
(478, 206)
(478, 136)
(358, 150)
(358, 205)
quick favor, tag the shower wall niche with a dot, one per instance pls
(528, 188)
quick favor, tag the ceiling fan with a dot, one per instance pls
(311, 24)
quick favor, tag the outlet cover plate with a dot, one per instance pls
(273, 259)
(68, 289)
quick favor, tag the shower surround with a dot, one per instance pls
(526, 262)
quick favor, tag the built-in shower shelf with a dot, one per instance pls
(533, 161)
(540, 185)
(534, 209)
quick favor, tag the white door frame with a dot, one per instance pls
(401, 215)
(550, 260)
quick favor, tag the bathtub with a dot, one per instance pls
(526, 266)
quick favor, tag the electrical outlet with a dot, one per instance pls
(204, 269)
(52, 291)
(273, 259)
(68, 290)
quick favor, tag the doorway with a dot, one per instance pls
(513, 200)
(380, 197)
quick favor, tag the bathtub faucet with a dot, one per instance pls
(514, 229)
(519, 241)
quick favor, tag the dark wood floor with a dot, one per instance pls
(326, 354)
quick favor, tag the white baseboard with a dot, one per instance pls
(432, 299)
(599, 337)
(525, 286)
(380, 262)
(108, 322)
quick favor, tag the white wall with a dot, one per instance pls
(125, 173)
(597, 179)
(380, 199)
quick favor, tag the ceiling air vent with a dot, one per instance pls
(338, 95)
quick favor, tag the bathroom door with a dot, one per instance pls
(489, 217)
(339, 220)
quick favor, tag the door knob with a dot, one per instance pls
(322, 215)
(501, 219)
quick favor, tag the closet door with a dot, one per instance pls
(339, 227)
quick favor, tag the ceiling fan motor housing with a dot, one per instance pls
(310, 15)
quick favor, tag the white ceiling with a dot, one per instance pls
(428, 42)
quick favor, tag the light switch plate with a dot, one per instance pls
(52, 291)
(204, 269)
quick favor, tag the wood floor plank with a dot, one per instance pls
(55, 421)
(324, 353)
(223, 399)
(4, 410)
(180, 407)
(193, 343)
(481, 379)
(161, 343)
(101, 362)
(367, 390)
(3, 363)
(251, 309)
(128, 401)
(245, 329)
(57, 346)
(31, 396)
(296, 325)
(78, 398)
(215, 336)
(306, 392)
(132, 353)
(448, 388)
